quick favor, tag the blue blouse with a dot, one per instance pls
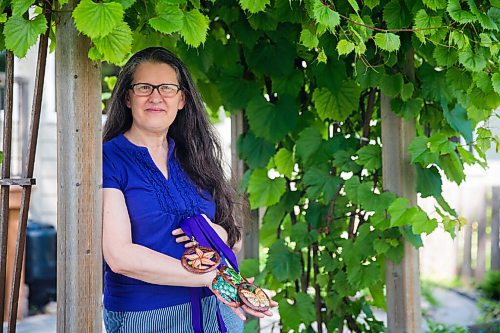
(156, 206)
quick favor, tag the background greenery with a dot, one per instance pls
(308, 76)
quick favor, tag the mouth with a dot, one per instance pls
(155, 110)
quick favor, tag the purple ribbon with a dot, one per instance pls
(197, 227)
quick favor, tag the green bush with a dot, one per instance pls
(490, 286)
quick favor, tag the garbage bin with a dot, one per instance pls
(41, 264)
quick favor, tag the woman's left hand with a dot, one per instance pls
(180, 236)
(242, 310)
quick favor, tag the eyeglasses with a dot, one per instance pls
(146, 89)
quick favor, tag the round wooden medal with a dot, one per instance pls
(254, 297)
(200, 259)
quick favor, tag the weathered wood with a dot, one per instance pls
(495, 230)
(79, 221)
(18, 181)
(402, 280)
(250, 235)
(7, 141)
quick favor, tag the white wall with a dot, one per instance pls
(43, 206)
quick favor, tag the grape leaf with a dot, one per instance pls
(264, 191)
(116, 45)
(97, 19)
(302, 304)
(284, 162)
(473, 61)
(19, 7)
(254, 6)
(387, 41)
(169, 18)
(308, 143)
(195, 27)
(370, 156)
(435, 4)
(337, 106)
(320, 181)
(255, 151)
(324, 15)
(429, 181)
(283, 262)
(345, 47)
(21, 34)
(308, 39)
(396, 14)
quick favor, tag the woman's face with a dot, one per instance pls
(154, 113)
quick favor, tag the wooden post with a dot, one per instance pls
(402, 280)
(250, 230)
(79, 174)
(481, 236)
(495, 224)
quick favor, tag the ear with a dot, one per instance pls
(182, 101)
(127, 100)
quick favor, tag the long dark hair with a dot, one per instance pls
(196, 145)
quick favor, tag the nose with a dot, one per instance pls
(155, 95)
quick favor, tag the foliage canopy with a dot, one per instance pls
(308, 76)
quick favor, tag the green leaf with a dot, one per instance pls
(320, 181)
(354, 5)
(19, 7)
(458, 14)
(392, 85)
(441, 144)
(396, 15)
(420, 152)
(283, 263)
(308, 143)
(495, 81)
(195, 27)
(97, 19)
(324, 15)
(337, 106)
(116, 45)
(427, 23)
(387, 41)
(458, 120)
(303, 305)
(474, 61)
(272, 121)
(308, 39)
(255, 151)
(452, 167)
(284, 162)
(445, 56)
(421, 223)
(264, 191)
(169, 18)
(345, 47)
(458, 79)
(254, 6)
(397, 210)
(407, 91)
(21, 34)
(408, 234)
(370, 157)
(429, 181)
(371, 3)
(435, 4)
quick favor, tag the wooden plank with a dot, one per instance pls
(495, 230)
(79, 148)
(402, 280)
(466, 271)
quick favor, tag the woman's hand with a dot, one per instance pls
(242, 310)
(181, 236)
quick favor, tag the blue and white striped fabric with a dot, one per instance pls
(173, 319)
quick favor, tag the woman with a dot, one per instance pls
(161, 164)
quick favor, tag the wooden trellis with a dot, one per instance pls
(26, 180)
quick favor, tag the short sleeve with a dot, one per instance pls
(110, 175)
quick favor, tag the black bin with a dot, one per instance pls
(41, 263)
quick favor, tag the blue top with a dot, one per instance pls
(156, 206)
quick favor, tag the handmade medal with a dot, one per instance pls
(253, 297)
(200, 259)
(225, 287)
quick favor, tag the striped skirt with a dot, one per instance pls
(173, 319)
